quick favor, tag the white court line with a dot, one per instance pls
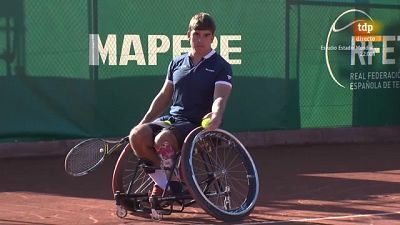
(325, 218)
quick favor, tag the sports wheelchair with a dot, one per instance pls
(215, 168)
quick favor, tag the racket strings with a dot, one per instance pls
(85, 156)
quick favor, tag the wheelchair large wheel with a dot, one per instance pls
(221, 174)
(130, 179)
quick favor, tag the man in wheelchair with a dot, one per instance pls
(197, 86)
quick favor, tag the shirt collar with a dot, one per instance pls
(211, 53)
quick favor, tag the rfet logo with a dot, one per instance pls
(364, 30)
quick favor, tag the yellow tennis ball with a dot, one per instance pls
(205, 122)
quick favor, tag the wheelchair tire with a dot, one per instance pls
(221, 174)
(126, 173)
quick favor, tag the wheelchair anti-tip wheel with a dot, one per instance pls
(221, 174)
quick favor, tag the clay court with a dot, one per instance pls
(317, 184)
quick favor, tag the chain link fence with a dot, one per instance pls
(322, 102)
(161, 36)
(56, 40)
(281, 78)
(44, 38)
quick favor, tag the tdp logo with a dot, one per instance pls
(363, 27)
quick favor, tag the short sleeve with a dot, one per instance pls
(225, 75)
(170, 71)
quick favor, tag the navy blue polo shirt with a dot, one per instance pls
(194, 85)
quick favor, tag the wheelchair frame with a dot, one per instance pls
(164, 205)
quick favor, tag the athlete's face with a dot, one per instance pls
(200, 41)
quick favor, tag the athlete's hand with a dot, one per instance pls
(215, 121)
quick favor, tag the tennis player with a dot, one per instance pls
(198, 85)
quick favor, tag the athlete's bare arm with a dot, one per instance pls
(159, 103)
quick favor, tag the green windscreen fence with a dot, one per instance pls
(73, 69)
(370, 83)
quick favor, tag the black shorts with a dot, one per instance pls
(180, 127)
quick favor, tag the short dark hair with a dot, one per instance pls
(202, 21)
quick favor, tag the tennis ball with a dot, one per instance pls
(205, 122)
(167, 122)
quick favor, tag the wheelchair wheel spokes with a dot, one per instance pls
(131, 182)
(223, 174)
(145, 186)
(142, 183)
(225, 171)
(134, 178)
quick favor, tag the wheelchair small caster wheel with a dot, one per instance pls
(121, 212)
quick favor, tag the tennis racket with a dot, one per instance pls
(89, 154)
